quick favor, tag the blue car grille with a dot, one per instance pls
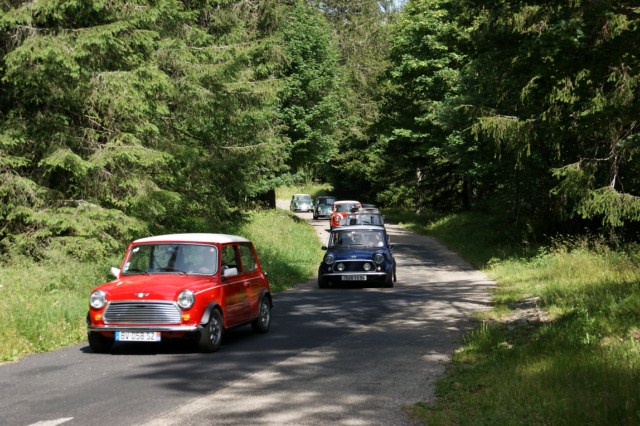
(353, 266)
(142, 313)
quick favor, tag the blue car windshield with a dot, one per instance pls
(359, 237)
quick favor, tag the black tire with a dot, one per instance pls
(211, 333)
(388, 281)
(263, 322)
(99, 344)
(322, 281)
(395, 277)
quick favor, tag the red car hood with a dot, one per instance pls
(154, 287)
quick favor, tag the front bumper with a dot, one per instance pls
(373, 276)
(161, 328)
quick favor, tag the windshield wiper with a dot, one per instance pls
(167, 269)
(136, 272)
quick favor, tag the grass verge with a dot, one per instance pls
(562, 342)
(43, 305)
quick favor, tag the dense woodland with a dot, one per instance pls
(120, 118)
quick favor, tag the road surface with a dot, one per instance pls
(347, 356)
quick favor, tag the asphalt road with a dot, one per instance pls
(348, 356)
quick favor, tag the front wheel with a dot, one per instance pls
(262, 323)
(211, 334)
(388, 281)
(99, 344)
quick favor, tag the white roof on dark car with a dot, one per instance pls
(359, 227)
(194, 238)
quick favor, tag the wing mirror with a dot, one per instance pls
(115, 271)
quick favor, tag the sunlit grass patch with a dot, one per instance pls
(313, 189)
(287, 247)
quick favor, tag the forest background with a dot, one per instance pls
(120, 119)
(123, 118)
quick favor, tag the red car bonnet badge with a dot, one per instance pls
(141, 295)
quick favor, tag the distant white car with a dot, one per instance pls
(301, 203)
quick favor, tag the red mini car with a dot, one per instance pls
(181, 285)
(340, 211)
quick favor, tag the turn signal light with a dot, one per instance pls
(97, 317)
(186, 317)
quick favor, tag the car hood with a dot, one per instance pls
(154, 286)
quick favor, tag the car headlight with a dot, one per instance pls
(340, 267)
(366, 267)
(186, 299)
(98, 299)
(378, 258)
(329, 259)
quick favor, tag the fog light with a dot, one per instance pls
(340, 267)
(366, 266)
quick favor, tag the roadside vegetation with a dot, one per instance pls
(313, 189)
(561, 344)
(43, 304)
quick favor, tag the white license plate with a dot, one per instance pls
(138, 336)
(354, 278)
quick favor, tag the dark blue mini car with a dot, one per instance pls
(359, 253)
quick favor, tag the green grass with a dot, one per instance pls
(579, 365)
(43, 304)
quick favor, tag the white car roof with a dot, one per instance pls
(194, 238)
(361, 227)
(347, 202)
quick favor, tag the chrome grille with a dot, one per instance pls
(142, 313)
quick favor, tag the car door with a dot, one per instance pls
(253, 278)
(234, 295)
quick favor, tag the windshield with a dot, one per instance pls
(325, 200)
(174, 258)
(302, 198)
(365, 219)
(360, 237)
(345, 207)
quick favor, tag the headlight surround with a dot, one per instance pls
(98, 299)
(329, 259)
(186, 298)
(340, 267)
(378, 258)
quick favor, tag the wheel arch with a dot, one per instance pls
(207, 313)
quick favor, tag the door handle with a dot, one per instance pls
(246, 283)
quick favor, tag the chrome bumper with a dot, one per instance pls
(189, 328)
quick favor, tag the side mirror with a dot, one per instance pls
(325, 248)
(230, 272)
(390, 246)
(115, 271)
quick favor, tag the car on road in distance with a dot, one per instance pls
(323, 207)
(359, 253)
(341, 209)
(181, 286)
(301, 203)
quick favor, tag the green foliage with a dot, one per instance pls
(309, 101)
(514, 102)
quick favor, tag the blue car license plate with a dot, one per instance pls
(354, 278)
